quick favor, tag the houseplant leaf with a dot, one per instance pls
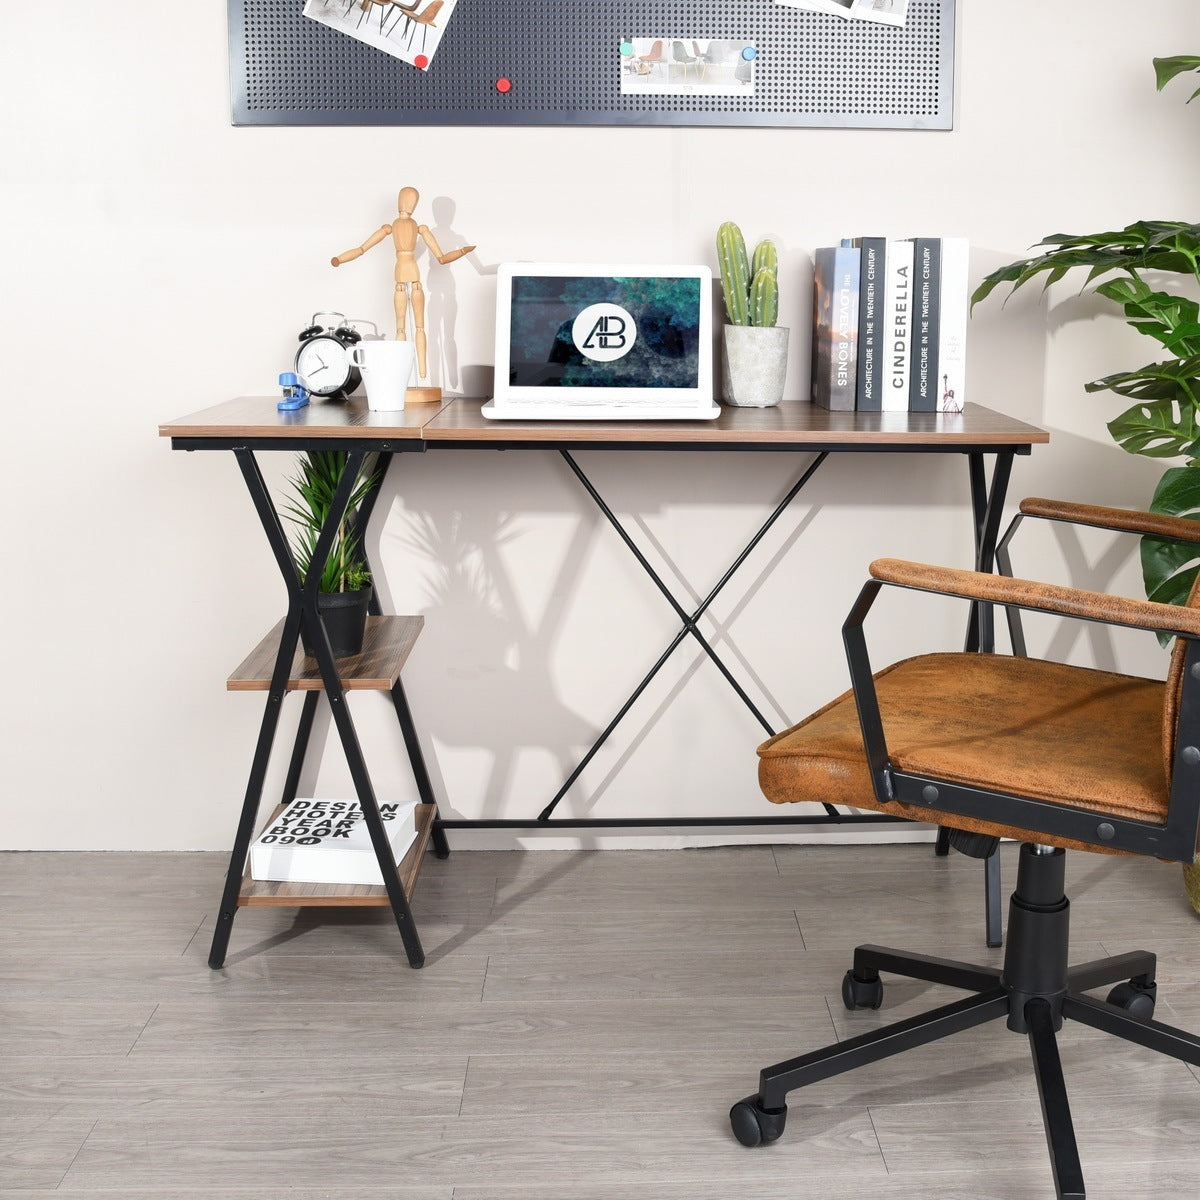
(1169, 568)
(319, 472)
(1174, 321)
(1165, 69)
(1153, 428)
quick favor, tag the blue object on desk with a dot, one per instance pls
(295, 394)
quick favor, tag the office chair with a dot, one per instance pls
(998, 746)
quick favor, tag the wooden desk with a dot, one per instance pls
(252, 424)
(254, 420)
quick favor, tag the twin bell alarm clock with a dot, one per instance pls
(323, 359)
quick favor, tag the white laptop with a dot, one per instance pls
(599, 343)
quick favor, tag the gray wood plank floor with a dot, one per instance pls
(580, 1029)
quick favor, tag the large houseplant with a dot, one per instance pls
(1164, 421)
(1135, 264)
(344, 590)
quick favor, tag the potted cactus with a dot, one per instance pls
(755, 359)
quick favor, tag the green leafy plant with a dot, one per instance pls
(1164, 420)
(1165, 69)
(1162, 424)
(750, 285)
(313, 488)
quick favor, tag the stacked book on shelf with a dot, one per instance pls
(327, 841)
(890, 325)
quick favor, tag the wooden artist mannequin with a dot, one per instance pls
(405, 231)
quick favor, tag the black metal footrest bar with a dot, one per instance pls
(663, 822)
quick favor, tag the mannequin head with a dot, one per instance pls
(407, 200)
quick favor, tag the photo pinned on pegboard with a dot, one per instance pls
(410, 32)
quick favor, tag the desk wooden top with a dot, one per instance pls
(789, 423)
(459, 422)
(258, 418)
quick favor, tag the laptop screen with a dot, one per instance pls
(594, 331)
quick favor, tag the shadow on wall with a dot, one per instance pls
(501, 693)
(499, 552)
(442, 310)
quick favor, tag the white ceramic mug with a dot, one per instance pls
(386, 369)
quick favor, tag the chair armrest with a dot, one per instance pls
(1041, 597)
(1125, 520)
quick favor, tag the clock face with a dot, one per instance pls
(323, 366)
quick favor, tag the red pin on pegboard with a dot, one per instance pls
(503, 85)
(421, 61)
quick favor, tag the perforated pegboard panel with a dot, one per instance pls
(562, 57)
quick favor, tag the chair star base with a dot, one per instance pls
(1034, 993)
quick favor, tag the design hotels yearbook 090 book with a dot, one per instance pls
(327, 841)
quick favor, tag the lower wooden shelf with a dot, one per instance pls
(337, 895)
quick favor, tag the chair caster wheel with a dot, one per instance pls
(861, 993)
(1137, 999)
(754, 1125)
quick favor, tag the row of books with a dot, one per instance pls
(890, 325)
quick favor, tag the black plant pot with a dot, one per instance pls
(344, 615)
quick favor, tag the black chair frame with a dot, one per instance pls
(1036, 989)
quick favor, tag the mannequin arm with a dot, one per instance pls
(436, 250)
(359, 251)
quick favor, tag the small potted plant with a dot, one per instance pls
(345, 587)
(755, 359)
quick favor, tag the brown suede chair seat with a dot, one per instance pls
(1018, 725)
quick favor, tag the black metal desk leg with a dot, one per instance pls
(336, 697)
(416, 757)
(254, 790)
(987, 506)
(291, 784)
(274, 706)
(370, 808)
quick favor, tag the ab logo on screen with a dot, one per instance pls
(604, 332)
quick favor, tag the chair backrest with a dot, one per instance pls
(1174, 688)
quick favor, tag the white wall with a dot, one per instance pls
(157, 260)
